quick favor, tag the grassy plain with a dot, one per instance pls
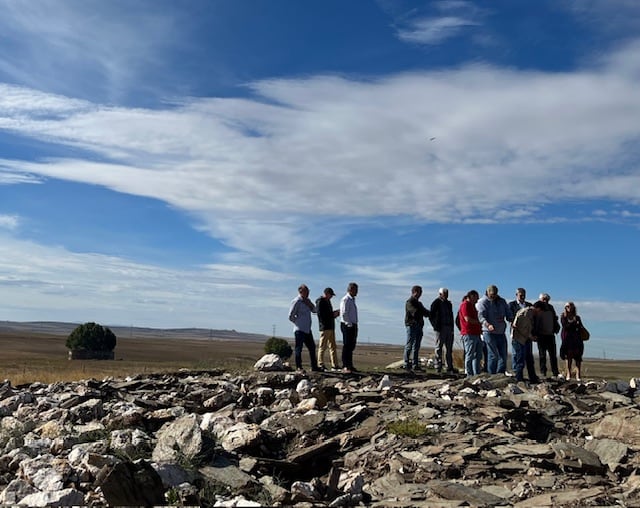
(27, 357)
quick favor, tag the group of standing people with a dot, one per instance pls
(440, 315)
(483, 324)
(300, 315)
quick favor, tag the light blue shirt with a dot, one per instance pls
(494, 312)
(300, 315)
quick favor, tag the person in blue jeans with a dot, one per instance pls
(414, 315)
(494, 313)
(470, 328)
(522, 336)
(300, 315)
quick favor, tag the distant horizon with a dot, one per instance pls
(429, 344)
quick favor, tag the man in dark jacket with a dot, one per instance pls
(327, 324)
(414, 316)
(547, 325)
(441, 317)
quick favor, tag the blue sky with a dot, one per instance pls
(190, 163)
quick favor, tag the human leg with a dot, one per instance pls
(311, 346)
(438, 350)
(493, 353)
(477, 354)
(472, 354)
(542, 354)
(416, 347)
(553, 359)
(322, 347)
(528, 361)
(408, 348)
(485, 355)
(349, 337)
(518, 352)
(501, 342)
(333, 349)
(297, 351)
(447, 334)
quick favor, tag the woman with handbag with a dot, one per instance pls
(572, 346)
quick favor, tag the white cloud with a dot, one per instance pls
(476, 144)
(84, 45)
(54, 283)
(9, 221)
(434, 30)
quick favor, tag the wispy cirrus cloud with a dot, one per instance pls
(10, 222)
(434, 30)
(84, 47)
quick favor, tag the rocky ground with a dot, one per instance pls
(273, 437)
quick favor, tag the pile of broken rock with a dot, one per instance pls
(274, 437)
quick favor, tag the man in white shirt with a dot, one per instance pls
(349, 326)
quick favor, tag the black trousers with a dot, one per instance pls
(349, 339)
(547, 344)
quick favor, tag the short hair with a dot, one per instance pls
(416, 289)
(521, 290)
(492, 289)
(540, 305)
(352, 285)
(301, 287)
(443, 290)
(544, 297)
(471, 293)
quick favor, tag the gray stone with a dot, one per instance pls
(132, 484)
(64, 497)
(180, 438)
(269, 363)
(609, 451)
(459, 492)
(621, 424)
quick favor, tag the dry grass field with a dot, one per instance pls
(30, 356)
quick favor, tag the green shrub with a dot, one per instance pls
(279, 347)
(91, 336)
(408, 428)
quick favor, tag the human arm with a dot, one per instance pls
(348, 311)
(433, 315)
(293, 310)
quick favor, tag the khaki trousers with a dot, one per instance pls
(328, 341)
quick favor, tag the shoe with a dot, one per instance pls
(300, 370)
(336, 369)
(534, 381)
(558, 376)
(452, 371)
(578, 379)
(568, 377)
(417, 368)
(317, 369)
(346, 371)
(322, 368)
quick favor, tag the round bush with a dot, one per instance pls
(279, 347)
(91, 336)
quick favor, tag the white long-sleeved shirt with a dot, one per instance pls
(348, 310)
